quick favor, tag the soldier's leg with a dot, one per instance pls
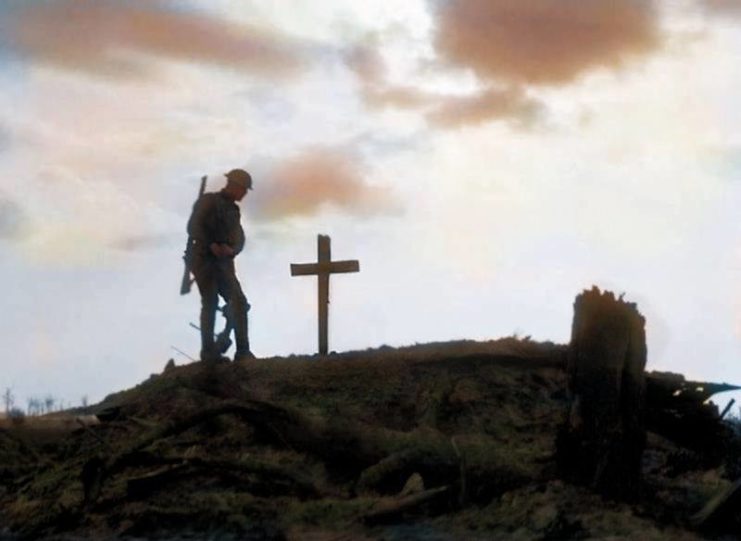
(231, 290)
(207, 279)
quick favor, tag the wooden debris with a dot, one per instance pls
(141, 487)
(727, 408)
(388, 509)
(336, 441)
(414, 485)
(681, 411)
(722, 513)
(393, 466)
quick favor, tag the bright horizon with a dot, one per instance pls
(485, 161)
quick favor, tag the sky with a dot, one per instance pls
(484, 160)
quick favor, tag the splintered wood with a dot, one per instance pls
(604, 436)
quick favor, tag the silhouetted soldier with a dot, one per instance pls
(217, 236)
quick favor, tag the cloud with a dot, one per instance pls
(723, 7)
(511, 104)
(383, 95)
(114, 39)
(4, 138)
(135, 243)
(13, 220)
(543, 41)
(370, 69)
(510, 47)
(443, 110)
(725, 160)
(365, 61)
(315, 179)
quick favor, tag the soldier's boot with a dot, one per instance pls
(241, 332)
(244, 356)
(209, 350)
(213, 356)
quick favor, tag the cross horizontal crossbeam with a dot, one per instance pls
(332, 267)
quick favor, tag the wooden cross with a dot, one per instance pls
(322, 269)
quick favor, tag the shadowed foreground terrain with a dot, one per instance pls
(439, 441)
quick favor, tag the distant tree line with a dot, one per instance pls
(36, 405)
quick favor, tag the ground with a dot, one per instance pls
(437, 441)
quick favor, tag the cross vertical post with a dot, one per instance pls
(324, 256)
(322, 269)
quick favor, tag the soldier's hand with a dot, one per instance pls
(221, 250)
(217, 249)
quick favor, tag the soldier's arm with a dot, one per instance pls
(235, 233)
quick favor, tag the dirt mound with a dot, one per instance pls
(437, 441)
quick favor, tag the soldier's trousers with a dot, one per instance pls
(217, 277)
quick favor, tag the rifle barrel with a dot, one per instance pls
(186, 282)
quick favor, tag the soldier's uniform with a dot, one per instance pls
(216, 219)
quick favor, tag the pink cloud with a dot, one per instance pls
(510, 46)
(723, 7)
(108, 39)
(317, 178)
(440, 109)
(511, 104)
(543, 41)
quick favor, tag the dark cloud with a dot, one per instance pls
(13, 220)
(315, 179)
(109, 39)
(543, 41)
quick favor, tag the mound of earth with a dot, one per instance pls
(437, 441)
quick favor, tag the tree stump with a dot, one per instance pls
(602, 441)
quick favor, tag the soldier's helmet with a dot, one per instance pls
(240, 177)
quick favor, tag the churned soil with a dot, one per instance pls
(436, 441)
